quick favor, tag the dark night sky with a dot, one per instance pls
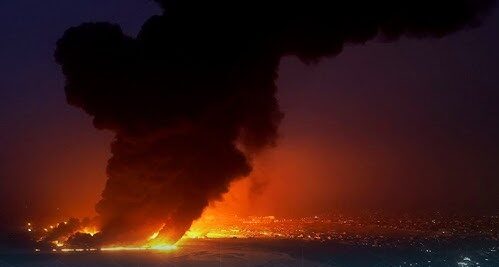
(415, 122)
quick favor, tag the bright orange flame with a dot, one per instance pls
(90, 230)
(214, 225)
(153, 236)
(58, 244)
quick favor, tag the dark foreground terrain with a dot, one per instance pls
(253, 252)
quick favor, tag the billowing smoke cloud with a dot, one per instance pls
(192, 98)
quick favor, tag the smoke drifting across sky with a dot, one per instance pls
(191, 99)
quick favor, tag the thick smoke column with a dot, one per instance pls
(192, 98)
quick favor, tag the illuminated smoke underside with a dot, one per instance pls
(192, 98)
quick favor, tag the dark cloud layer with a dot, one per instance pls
(192, 98)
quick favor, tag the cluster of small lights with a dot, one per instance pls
(372, 231)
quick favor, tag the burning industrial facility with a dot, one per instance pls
(192, 99)
(373, 230)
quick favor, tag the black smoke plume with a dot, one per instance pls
(193, 97)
